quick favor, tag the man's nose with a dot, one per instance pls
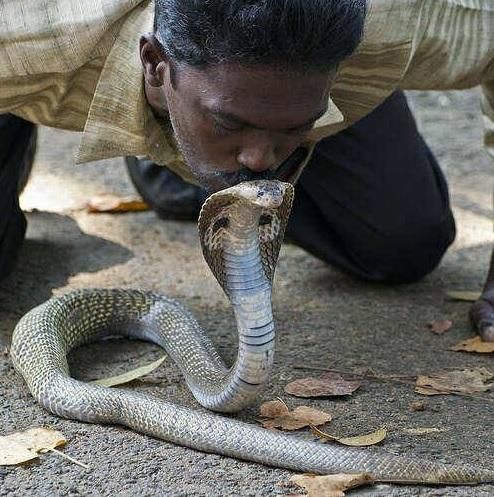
(258, 156)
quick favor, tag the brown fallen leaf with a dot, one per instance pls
(24, 446)
(358, 441)
(418, 405)
(475, 344)
(331, 485)
(273, 409)
(464, 296)
(110, 203)
(439, 327)
(327, 385)
(129, 376)
(460, 381)
(281, 417)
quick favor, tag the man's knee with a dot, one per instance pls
(17, 148)
(11, 238)
(407, 256)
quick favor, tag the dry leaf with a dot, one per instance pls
(281, 417)
(461, 381)
(23, 446)
(439, 327)
(331, 485)
(423, 431)
(328, 385)
(475, 344)
(418, 405)
(129, 375)
(108, 202)
(273, 408)
(359, 441)
(464, 296)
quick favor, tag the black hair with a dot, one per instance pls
(301, 35)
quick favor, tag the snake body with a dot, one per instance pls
(241, 230)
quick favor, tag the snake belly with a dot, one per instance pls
(241, 229)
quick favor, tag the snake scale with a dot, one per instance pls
(241, 229)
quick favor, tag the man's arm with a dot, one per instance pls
(482, 312)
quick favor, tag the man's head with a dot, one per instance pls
(243, 81)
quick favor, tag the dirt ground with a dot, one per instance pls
(325, 319)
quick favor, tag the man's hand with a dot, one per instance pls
(482, 314)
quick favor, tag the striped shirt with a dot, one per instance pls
(74, 64)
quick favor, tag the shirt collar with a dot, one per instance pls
(120, 121)
(375, 69)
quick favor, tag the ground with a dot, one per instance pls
(324, 318)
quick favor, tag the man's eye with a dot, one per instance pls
(224, 129)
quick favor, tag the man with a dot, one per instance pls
(225, 91)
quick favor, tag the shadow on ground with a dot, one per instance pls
(55, 250)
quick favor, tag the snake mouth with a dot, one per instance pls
(265, 194)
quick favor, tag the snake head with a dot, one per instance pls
(252, 211)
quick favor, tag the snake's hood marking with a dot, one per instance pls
(269, 202)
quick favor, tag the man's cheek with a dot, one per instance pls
(217, 152)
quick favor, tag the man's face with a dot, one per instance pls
(235, 123)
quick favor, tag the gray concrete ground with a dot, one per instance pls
(324, 319)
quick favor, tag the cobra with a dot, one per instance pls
(240, 229)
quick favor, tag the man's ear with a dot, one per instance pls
(153, 60)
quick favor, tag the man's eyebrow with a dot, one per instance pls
(241, 122)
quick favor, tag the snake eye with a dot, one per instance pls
(222, 222)
(265, 219)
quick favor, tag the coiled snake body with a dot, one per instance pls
(241, 229)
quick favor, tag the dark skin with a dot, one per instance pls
(482, 312)
(234, 123)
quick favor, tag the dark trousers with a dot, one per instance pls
(17, 148)
(372, 201)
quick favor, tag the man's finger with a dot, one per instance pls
(486, 331)
(482, 316)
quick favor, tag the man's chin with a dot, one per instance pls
(211, 179)
(211, 182)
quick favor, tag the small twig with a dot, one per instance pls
(472, 396)
(321, 434)
(368, 374)
(75, 461)
(283, 402)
